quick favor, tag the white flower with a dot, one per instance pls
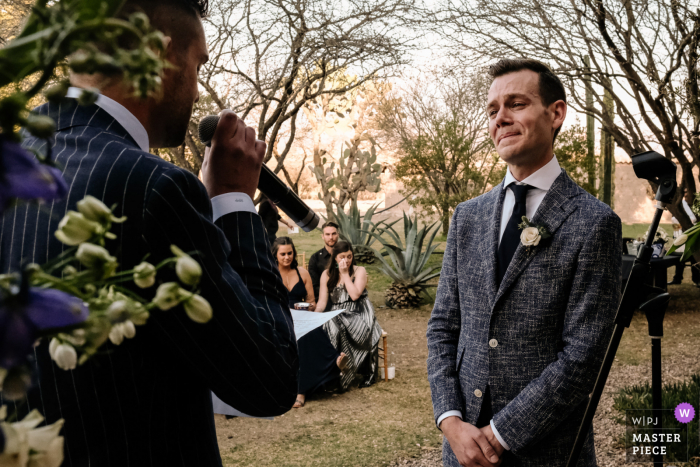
(188, 270)
(197, 308)
(94, 210)
(16, 451)
(51, 457)
(93, 256)
(75, 229)
(167, 296)
(41, 438)
(53, 345)
(77, 338)
(530, 236)
(139, 314)
(26, 445)
(117, 311)
(96, 258)
(64, 355)
(120, 331)
(680, 240)
(145, 275)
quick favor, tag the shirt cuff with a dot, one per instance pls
(231, 202)
(498, 437)
(449, 413)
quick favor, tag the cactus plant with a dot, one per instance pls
(357, 170)
(359, 231)
(409, 257)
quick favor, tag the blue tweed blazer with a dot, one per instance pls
(551, 318)
(147, 402)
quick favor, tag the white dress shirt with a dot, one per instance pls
(540, 181)
(221, 205)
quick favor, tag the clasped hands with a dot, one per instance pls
(472, 446)
(235, 158)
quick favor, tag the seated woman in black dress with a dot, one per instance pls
(319, 362)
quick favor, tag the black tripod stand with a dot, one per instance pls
(638, 296)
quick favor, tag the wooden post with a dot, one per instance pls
(386, 358)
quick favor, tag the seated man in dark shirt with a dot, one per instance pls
(319, 260)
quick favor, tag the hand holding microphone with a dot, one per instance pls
(235, 164)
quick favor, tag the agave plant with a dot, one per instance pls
(409, 257)
(359, 231)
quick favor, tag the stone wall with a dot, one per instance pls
(633, 196)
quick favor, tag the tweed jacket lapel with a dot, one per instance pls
(496, 205)
(551, 213)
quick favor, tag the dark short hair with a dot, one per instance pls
(198, 7)
(329, 224)
(551, 88)
(279, 241)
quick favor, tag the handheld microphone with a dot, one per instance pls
(269, 184)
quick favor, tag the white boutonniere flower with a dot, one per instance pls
(532, 234)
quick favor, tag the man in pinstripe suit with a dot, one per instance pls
(521, 323)
(148, 401)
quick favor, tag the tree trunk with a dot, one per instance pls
(445, 223)
(590, 127)
(607, 149)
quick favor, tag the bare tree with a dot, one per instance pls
(440, 128)
(642, 52)
(355, 169)
(269, 58)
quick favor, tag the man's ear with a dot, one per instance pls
(558, 110)
(167, 45)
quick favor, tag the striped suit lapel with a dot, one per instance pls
(69, 116)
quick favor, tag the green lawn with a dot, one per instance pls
(638, 230)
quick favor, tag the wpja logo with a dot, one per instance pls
(653, 433)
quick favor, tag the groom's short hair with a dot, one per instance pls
(551, 87)
(192, 7)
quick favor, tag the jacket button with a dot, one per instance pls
(477, 393)
(493, 343)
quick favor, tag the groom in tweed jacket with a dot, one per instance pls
(518, 331)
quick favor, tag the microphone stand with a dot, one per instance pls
(636, 296)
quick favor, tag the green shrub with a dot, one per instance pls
(358, 230)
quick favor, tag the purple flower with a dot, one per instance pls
(22, 176)
(21, 319)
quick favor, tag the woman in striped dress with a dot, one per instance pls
(356, 331)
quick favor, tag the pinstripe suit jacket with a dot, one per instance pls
(551, 319)
(147, 402)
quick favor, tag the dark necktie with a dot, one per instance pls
(511, 235)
